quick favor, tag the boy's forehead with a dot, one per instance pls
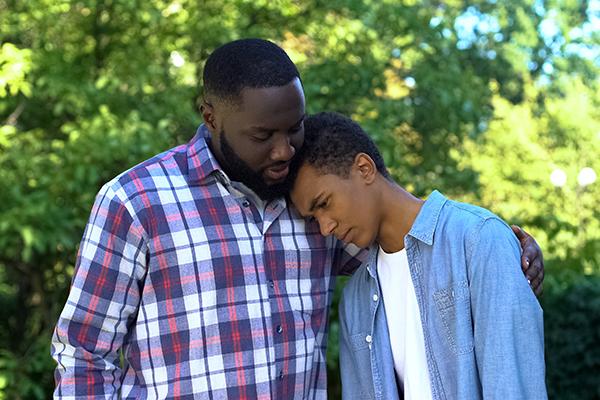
(305, 185)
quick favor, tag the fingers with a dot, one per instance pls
(520, 233)
(538, 289)
(531, 254)
(529, 258)
(527, 254)
(532, 261)
(535, 276)
(535, 268)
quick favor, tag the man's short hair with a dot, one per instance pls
(246, 63)
(331, 143)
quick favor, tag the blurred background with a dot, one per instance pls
(492, 102)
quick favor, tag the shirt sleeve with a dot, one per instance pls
(102, 302)
(507, 318)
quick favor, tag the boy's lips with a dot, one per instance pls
(344, 237)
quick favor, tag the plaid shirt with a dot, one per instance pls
(183, 290)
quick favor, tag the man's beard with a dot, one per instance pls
(237, 170)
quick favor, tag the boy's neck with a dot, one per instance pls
(399, 211)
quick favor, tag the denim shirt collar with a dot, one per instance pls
(423, 228)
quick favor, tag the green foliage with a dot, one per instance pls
(27, 375)
(572, 325)
(515, 158)
(482, 101)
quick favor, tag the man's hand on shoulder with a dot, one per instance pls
(532, 259)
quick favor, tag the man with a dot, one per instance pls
(440, 309)
(195, 277)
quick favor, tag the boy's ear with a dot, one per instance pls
(365, 167)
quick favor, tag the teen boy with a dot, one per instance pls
(441, 308)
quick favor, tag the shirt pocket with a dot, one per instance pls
(359, 341)
(454, 308)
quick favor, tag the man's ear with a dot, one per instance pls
(208, 114)
(365, 167)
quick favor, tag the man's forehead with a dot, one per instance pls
(268, 113)
(291, 92)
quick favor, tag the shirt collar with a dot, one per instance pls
(423, 228)
(201, 161)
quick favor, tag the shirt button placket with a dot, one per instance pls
(369, 340)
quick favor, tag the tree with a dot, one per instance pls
(88, 89)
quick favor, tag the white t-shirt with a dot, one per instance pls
(404, 324)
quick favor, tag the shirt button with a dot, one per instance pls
(369, 339)
(375, 297)
(271, 284)
(279, 329)
(246, 203)
(281, 375)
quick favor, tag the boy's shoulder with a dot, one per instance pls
(466, 213)
(469, 222)
(443, 218)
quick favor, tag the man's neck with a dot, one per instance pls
(400, 209)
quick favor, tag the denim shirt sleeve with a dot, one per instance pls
(507, 318)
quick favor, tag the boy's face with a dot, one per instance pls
(344, 207)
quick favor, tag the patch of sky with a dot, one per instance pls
(472, 24)
(435, 21)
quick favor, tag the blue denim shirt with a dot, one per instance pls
(483, 326)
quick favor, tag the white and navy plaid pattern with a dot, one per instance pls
(207, 299)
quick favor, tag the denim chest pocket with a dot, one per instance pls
(454, 307)
(360, 363)
(359, 341)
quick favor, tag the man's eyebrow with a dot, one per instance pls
(300, 120)
(260, 129)
(265, 129)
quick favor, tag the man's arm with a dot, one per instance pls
(507, 318)
(532, 259)
(104, 295)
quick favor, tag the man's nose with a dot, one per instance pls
(282, 148)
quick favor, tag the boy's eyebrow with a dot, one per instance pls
(313, 203)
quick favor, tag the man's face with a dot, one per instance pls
(255, 140)
(343, 207)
